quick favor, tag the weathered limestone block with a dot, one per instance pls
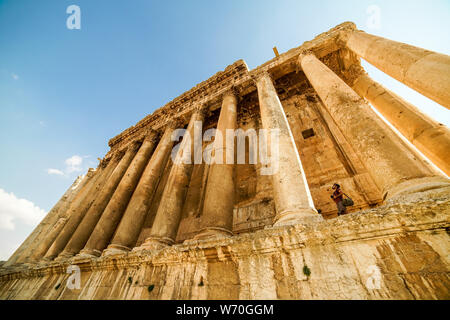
(396, 251)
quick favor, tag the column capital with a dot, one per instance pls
(135, 144)
(200, 109)
(104, 162)
(132, 145)
(342, 38)
(355, 72)
(90, 172)
(119, 154)
(304, 54)
(150, 131)
(151, 134)
(173, 124)
(232, 91)
(261, 74)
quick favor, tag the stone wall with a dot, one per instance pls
(408, 244)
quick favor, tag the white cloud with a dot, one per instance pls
(14, 76)
(14, 209)
(8, 247)
(6, 222)
(55, 171)
(74, 164)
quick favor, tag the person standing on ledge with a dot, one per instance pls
(338, 197)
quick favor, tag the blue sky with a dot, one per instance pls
(64, 93)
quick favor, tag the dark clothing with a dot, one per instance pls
(341, 208)
(338, 196)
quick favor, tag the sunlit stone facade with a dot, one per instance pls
(196, 230)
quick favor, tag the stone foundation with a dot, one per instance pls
(407, 243)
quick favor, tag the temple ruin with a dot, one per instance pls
(143, 226)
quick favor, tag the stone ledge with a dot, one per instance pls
(409, 214)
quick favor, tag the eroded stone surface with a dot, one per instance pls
(407, 242)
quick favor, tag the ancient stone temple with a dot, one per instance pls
(156, 220)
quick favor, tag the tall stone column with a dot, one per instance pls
(78, 214)
(113, 212)
(130, 226)
(45, 228)
(292, 196)
(429, 136)
(395, 168)
(167, 219)
(59, 226)
(425, 71)
(217, 216)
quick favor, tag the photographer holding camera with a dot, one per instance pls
(338, 197)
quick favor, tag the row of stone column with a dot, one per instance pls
(292, 197)
(424, 71)
(95, 228)
(112, 208)
(109, 211)
(53, 220)
(394, 166)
